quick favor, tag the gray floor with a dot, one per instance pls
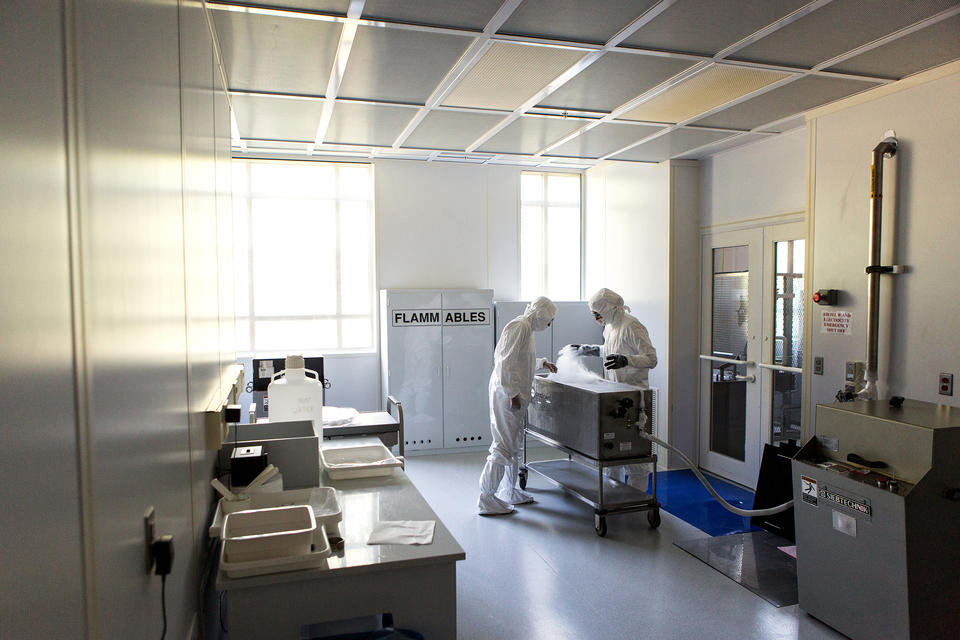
(544, 573)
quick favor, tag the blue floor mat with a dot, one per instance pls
(681, 494)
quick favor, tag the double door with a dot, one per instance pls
(437, 356)
(751, 354)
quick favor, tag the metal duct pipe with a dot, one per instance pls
(886, 149)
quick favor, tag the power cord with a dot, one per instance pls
(163, 604)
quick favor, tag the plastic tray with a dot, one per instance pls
(358, 462)
(326, 509)
(316, 559)
(262, 534)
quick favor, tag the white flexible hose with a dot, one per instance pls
(726, 505)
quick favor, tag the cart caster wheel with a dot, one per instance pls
(523, 478)
(600, 525)
(653, 517)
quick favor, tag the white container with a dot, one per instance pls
(366, 461)
(326, 508)
(316, 559)
(260, 534)
(294, 395)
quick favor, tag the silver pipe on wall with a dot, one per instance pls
(886, 149)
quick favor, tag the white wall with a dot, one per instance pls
(921, 207)
(766, 178)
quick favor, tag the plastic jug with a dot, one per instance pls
(296, 396)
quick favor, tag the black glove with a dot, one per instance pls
(615, 361)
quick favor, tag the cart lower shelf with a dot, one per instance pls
(584, 482)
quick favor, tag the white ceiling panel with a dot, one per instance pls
(836, 28)
(277, 118)
(613, 80)
(929, 47)
(594, 21)
(462, 14)
(451, 130)
(279, 54)
(602, 140)
(706, 90)
(671, 145)
(374, 125)
(795, 97)
(394, 65)
(530, 134)
(708, 26)
(737, 140)
(332, 7)
(509, 74)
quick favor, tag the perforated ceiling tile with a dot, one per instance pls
(277, 118)
(717, 85)
(509, 74)
(462, 14)
(613, 80)
(708, 26)
(602, 140)
(786, 125)
(530, 134)
(838, 27)
(332, 7)
(574, 20)
(267, 53)
(795, 97)
(671, 145)
(934, 45)
(395, 65)
(738, 140)
(373, 125)
(451, 130)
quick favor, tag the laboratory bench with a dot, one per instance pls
(417, 584)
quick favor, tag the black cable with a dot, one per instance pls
(220, 611)
(163, 604)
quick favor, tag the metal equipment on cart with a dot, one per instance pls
(598, 425)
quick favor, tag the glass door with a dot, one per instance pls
(752, 346)
(782, 355)
(730, 349)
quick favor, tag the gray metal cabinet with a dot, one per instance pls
(436, 358)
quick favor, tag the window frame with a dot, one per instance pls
(249, 315)
(545, 204)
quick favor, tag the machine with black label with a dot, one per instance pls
(877, 508)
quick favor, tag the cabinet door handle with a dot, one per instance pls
(439, 372)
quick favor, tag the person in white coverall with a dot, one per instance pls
(514, 363)
(627, 353)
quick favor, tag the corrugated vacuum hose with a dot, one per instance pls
(747, 513)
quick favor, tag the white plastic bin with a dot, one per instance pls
(277, 532)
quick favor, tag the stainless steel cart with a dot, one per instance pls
(598, 426)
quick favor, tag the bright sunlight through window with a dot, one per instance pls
(550, 235)
(304, 265)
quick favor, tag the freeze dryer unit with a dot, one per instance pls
(877, 513)
(599, 419)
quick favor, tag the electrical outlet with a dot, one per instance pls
(149, 530)
(818, 365)
(946, 384)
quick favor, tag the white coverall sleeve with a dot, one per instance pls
(540, 362)
(512, 351)
(646, 356)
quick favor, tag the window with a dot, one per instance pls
(550, 235)
(304, 257)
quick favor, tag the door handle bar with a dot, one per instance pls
(728, 360)
(780, 367)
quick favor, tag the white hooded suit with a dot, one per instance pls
(514, 363)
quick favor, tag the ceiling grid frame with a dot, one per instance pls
(483, 40)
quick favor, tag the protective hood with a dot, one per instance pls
(540, 313)
(608, 304)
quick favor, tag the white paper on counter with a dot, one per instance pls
(403, 532)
